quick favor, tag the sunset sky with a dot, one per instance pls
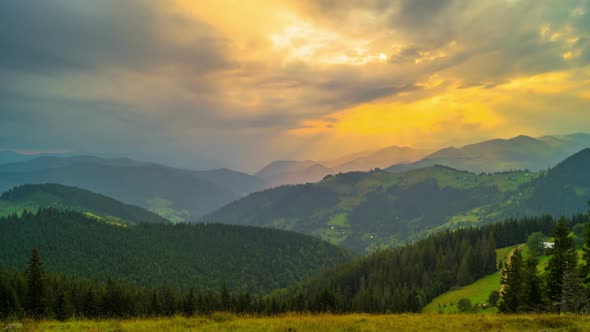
(240, 83)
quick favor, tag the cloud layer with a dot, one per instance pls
(243, 83)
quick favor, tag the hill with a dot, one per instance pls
(176, 194)
(521, 152)
(407, 278)
(33, 197)
(377, 209)
(156, 255)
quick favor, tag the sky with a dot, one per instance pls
(239, 83)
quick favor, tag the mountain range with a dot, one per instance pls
(518, 153)
(294, 172)
(175, 194)
(368, 210)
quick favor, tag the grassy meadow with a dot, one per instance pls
(327, 323)
(476, 292)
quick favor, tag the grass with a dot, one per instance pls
(476, 292)
(328, 323)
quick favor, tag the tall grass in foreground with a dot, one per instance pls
(327, 323)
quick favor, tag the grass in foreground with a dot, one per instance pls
(327, 323)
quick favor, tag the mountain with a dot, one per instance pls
(364, 211)
(175, 194)
(565, 187)
(521, 152)
(292, 172)
(33, 197)
(381, 159)
(7, 156)
(282, 172)
(165, 255)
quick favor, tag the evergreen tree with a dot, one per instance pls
(155, 305)
(225, 297)
(190, 304)
(563, 256)
(532, 295)
(510, 293)
(35, 304)
(90, 305)
(62, 309)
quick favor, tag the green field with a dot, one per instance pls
(327, 323)
(476, 292)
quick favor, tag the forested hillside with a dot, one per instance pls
(153, 255)
(377, 209)
(34, 196)
(407, 278)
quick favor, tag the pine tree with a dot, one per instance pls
(562, 253)
(62, 307)
(189, 306)
(35, 304)
(225, 298)
(90, 305)
(532, 296)
(510, 294)
(155, 304)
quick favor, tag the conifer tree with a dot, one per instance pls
(189, 306)
(90, 305)
(563, 256)
(532, 295)
(62, 307)
(510, 294)
(35, 305)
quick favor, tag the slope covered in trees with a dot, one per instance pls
(405, 279)
(34, 196)
(377, 209)
(182, 256)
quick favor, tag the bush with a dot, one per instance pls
(494, 298)
(464, 305)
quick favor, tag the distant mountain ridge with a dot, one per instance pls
(368, 210)
(520, 152)
(176, 194)
(295, 172)
(32, 197)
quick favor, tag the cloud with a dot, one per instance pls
(212, 81)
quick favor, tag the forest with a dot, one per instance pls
(397, 280)
(166, 255)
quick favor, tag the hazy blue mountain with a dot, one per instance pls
(381, 159)
(521, 152)
(34, 196)
(292, 172)
(175, 194)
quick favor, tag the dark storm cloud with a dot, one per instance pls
(50, 36)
